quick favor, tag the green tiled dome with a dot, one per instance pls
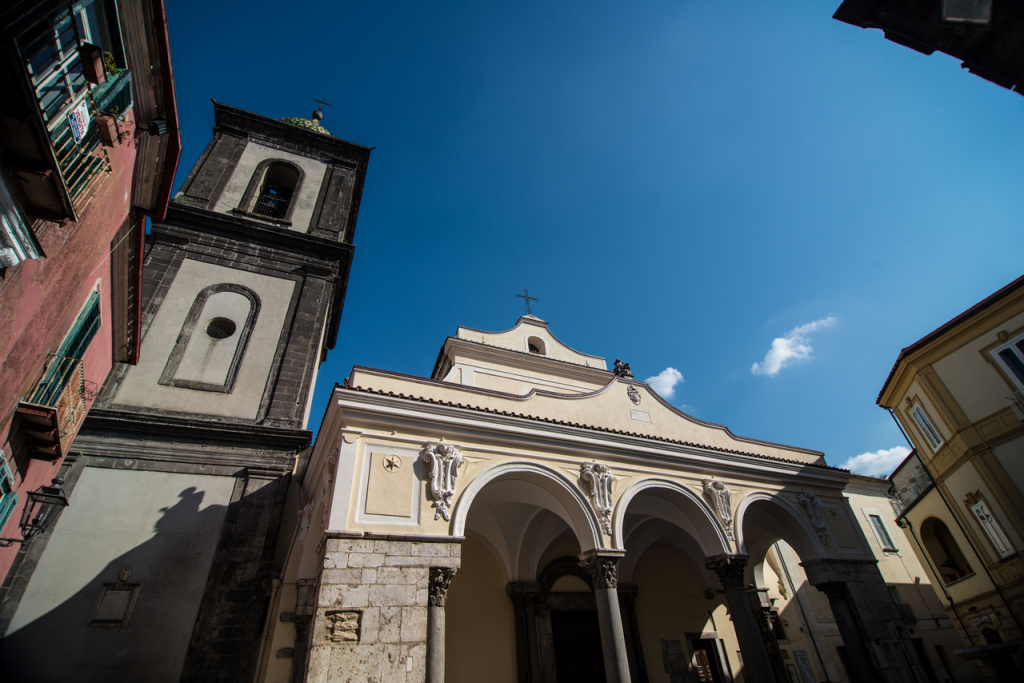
(308, 125)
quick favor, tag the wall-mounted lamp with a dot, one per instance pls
(41, 509)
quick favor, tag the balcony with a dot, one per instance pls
(910, 481)
(52, 414)
(45, 85)
(1016, 401)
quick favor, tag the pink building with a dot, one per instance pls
(87, 152)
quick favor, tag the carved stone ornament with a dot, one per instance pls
(730, 569)
(600, 480)
(622, 369)
(125, 574)
(721, 499)
(342, 626)
(440, 579)
(813, 505)
(444, 462)
(633, 394)
(306, 520)
(602, 570)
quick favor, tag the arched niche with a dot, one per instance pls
(506, 506)
(213, 339)
(944, 551)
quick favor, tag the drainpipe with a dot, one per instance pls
(803, 615)
(261, 666)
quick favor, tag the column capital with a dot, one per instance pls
(601, 565)
(440, 579)
(835, 590)
(729, 568)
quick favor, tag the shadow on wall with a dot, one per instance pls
(69, 625)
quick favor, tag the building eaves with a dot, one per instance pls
(577, 425)
(939, 331)
(528, 354)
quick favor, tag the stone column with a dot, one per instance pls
(730, 568)
(759, 607)
(440, 578)
(301, 647)
(856, 650)
(604, 576)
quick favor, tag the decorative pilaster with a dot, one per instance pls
(600, 479)
(601, 565)
(730, 570)
(440, 579)
(443, 463)
(859, 656)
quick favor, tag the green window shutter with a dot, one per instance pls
(8, 498)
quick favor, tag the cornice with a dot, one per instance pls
(361, 405)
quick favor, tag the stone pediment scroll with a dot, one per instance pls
(443, 462)
(721, 500)
(600, 479)
(814, 511)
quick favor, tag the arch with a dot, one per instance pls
(791, 527)
(273, 188)
(535, 344)
(948, 560)
(169, 375)
(709, 531)
(575, 509)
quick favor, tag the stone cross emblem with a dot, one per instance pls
(600, 480)
(814, 511)
(721, 498)
(444, 462)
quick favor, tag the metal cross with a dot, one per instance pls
(322, 103)
(528, 298)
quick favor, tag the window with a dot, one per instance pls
(929, 431)
(8, 497)
(536, 345)
(881, 533)
(992, 529)
(1010, 357)
(16, 241)
(65, 362)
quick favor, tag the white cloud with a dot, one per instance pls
(665, 382)
(878, 464)
(795, 345)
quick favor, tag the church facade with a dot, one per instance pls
(526, 514)
(161, 567)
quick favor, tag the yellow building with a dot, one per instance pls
(957, 393)
(526, 514)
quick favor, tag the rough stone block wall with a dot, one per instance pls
(371, 611)
(877, 616)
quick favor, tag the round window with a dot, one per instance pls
(220, 328)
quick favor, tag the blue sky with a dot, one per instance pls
(683, 185)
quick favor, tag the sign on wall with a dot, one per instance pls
(78, 119)
(802, 661)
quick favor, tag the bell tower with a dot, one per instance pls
(181, 472)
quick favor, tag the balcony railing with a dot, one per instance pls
(1016, 401)
(272, 205)
(54, 411)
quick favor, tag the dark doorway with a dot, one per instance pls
(705, 654)
(577, 640)
(922, 655)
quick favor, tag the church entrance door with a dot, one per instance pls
(705, 661)
(577, 644)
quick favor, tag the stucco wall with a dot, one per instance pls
(480, 639)
(168, 541)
